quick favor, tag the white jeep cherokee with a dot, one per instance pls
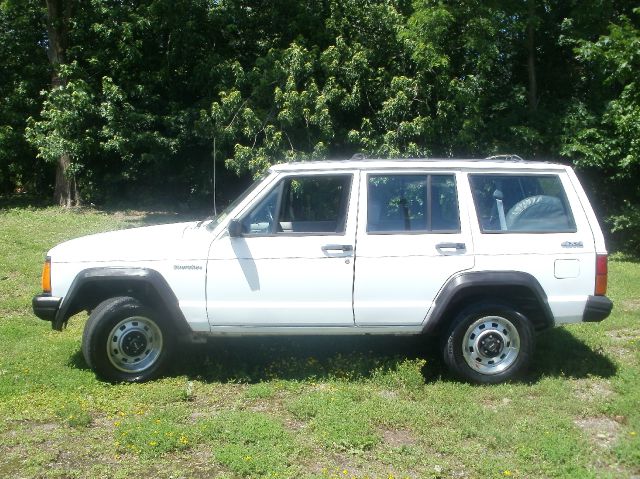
(482, 253)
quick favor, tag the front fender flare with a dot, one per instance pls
(117, 278)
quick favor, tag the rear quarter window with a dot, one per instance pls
(521, 204)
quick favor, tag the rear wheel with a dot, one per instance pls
(489, 343)
(124, 340)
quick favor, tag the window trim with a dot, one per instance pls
(280, 186)
(564, 198)
(429, 176)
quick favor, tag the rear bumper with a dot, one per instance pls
(597, 309)
(46, 306)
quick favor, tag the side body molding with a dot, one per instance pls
(511, 287)
(93, 285)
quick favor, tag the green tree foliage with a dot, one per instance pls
(333, 90)
(23, 74)
(604, 134)
(147, 91)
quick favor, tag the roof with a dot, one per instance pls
(493, 163)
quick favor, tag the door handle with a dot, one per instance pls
(456, 246)
(337, 247)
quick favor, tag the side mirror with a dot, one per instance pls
(235, 228)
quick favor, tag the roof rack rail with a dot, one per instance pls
(507, 157)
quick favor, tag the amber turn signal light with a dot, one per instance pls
(46, 276)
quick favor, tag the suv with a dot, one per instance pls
(482, 253)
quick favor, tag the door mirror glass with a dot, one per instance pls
(235, 228)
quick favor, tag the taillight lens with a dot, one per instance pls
(601, 274)
(46, 276)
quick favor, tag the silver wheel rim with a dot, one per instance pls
(491, 345)
(134, 344)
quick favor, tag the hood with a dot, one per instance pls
(149, 243)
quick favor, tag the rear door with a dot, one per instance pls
(413, 235)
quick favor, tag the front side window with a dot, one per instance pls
(302, 204)
(521, 203)
(412, 202)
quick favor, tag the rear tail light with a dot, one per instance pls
(46, 276)
(601, 275)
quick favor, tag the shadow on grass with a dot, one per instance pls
(151, 218)
(137, 215)
(559, 353)
(258, 359)
(76, 361)
(8, 202)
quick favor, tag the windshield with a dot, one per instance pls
(220, 217)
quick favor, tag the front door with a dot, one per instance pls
(292, 265)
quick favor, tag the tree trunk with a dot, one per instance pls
(531, 58)
(59, 14)
(66, 190)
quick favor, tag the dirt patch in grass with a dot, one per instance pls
(601, 431)
(197, 462)
(33, 426)
(336, 465)
(604, 433)
(625, 335)
(495, 405)
(632, 304)
(360, 466)
(386, 394)
(294, 424)
(623, 341)
(11, 464)
(261, 406)
(398, 437)
(590, 390)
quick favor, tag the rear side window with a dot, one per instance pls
(417, 203)
(521, 203)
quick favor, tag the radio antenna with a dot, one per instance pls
(215, 209)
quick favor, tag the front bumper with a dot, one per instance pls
(46, 306)
(597, 309)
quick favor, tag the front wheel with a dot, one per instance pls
(124, 340)
(489, 343)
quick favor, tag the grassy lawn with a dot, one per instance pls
(306, 407)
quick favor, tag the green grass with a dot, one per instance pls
(306, 407)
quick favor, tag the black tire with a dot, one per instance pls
(489, 343)
(126, 341)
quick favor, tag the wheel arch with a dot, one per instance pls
(93, 285)
(517, 289)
